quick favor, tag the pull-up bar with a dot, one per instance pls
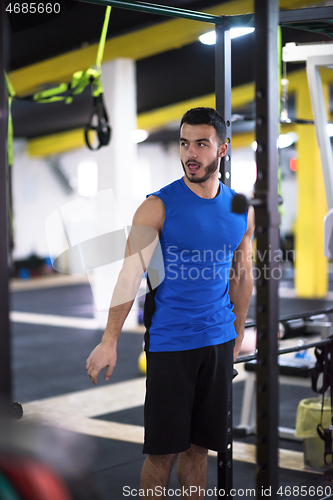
(229, 21)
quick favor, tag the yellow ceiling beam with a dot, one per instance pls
(66, 141)
(242, 140)
(245, 139)
(298, 4)
(56, 143)
(142, 43)
(159, 118)
(139, 44)
(240, 96)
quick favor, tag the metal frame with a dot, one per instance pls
(305, 15)
(174, 11)
(316, 56)
(313, 65)
(223, 106)
(267, 216)
(267, 232)
(5, 370)
(223, 92)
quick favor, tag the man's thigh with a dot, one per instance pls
(179, 386)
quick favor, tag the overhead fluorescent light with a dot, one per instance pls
(87, 178)
(286, 140)
(236, 32)
(139, 135)
(210, 37)
(329, 128)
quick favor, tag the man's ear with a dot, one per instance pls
(223, 149)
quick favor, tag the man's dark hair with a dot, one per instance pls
(206, 116)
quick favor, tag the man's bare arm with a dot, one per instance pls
(241, 281)
(139, 249)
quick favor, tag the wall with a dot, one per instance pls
(37, 192)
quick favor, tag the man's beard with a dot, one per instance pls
(208, 171)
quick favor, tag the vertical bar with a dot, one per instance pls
(267, 232)
(320, 116)
(224, 461)
(5, 369)
(223, 92)
(223, 106)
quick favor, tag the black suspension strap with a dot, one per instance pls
(99, 113)
(324, 366)
(98, 121)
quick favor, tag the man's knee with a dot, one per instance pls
(196, 452)
(163, 461)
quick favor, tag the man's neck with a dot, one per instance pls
(208, 189)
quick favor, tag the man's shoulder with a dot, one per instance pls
(227, 190)
(150, 213)
(166, 190)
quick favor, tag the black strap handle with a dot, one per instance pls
(326, 436)
(102, 128)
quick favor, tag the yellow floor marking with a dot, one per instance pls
(90, 402)
(62, 321)
(48, 281)
(73, 411)
(292, 460)
(54, 320)
(97, 428)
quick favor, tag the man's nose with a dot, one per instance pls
(192, 151)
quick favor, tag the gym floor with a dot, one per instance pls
(53, 332)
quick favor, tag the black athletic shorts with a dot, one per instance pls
(187, 399)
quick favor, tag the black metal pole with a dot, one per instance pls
(223, 106)
(223, 92)
(5, 368)
(288, 350)
(267, 233)
(163, 10)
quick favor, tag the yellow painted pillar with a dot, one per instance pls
(311, 267)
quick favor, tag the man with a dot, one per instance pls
(195, 319)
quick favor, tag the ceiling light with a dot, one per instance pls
(286, 140)
(139, 135)
(210, 37)
(329, 128)
(87, 178)
(236, 32)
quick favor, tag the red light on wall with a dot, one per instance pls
(293, 164)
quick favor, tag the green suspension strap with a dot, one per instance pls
(10, 155)
(99, 112)
(279, 129)
(80, 80)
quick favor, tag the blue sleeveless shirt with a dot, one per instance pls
(191, 307)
